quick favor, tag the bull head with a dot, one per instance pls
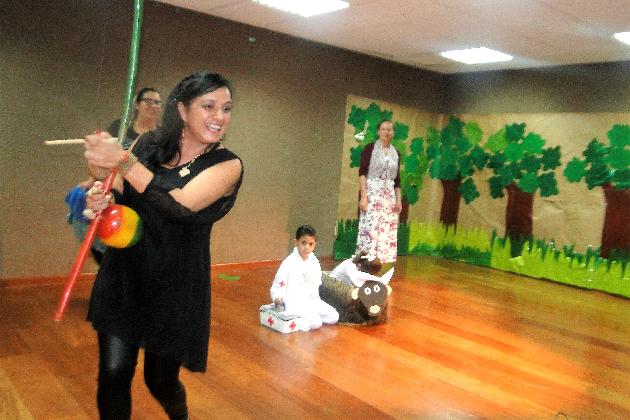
(373, 293)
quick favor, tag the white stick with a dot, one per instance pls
(67, 141)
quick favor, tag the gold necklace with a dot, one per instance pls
(185, 171)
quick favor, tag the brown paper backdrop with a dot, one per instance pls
(575, 216)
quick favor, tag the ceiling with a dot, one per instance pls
(537, 33)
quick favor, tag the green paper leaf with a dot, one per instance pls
(412, 194)
(618, 158)
(595, 152)
(479, 157)
(514, 151)
(374, 115)
(435, 168)
(433, 135)
(473, 132)
(533, 143)
(575, 170)
(597, 175)
(551, 158)
(497, 142)
(357, 118)
(417, 146)
(466, 166)
(514, 132)
(548, 184)
(449, 157)
(449, 172)
(452, 131)
(515, 168)
(355, 156)
(468, 190)
(401, 131)
(401, 146)
(531, 163)
(412, 164)
(619, 135)
(228, 277)
(433, 151)
(506, 175)
(528, 183)
(497, 161)
(462, 145)
(370, 137)
(621, 178)
(496, 187)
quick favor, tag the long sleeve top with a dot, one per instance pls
(297, 281)
(375, 164)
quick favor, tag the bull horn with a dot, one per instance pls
(385, 278)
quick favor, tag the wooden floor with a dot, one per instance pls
(462, 342)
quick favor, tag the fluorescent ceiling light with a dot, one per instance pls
(305, 8)
(623, 37)
(476, 55)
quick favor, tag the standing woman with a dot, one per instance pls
(146, 116)
(156, 294)
(379, 201)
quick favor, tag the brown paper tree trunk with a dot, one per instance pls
(616, 231)
(450, 202)
(518, 217)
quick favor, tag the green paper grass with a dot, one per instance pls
(539, 258)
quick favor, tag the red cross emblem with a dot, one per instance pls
(282, 283)
(270, 321)
(292, 326)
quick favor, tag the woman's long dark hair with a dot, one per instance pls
(168, 136)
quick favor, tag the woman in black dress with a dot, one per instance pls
(156, 294)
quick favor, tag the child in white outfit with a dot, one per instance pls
(296, 285)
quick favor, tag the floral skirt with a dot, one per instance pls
(378, 226)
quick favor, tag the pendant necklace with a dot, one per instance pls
(185, 171)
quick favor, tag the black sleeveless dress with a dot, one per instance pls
(156, 294)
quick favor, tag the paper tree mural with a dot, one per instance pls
(413, 165)
(454, 156)
(609, 167)
(522, 166)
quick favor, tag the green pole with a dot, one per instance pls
(79, 261)
(125, 118)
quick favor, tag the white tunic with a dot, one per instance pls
(297, 284)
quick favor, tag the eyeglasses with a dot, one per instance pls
(149, 101)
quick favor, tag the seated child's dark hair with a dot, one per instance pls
(305, 230)
(363, 264)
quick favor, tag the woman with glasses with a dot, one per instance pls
(146, 117)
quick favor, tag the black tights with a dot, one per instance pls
(117, 365)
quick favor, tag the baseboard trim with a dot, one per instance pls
(54, 280)
(247, 264)
(42, 281)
